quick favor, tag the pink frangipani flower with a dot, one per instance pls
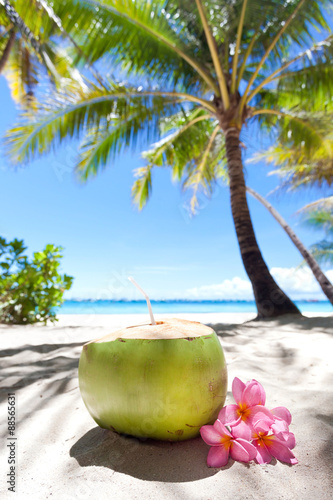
(250, 400)
(250, 426)
(269, 444)
(223, 444)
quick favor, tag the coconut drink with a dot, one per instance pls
(161, 380)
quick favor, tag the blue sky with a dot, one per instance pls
(105, 238)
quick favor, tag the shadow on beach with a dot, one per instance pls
(148, 460)
(29, 364)
(323, 323)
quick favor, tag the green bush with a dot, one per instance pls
(30, 289)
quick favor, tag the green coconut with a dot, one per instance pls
(161, 381)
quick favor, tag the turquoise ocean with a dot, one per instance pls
(174, 307)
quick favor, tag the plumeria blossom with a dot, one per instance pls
(249, 408)
(269, 444)
(249, 424)
(223, 444)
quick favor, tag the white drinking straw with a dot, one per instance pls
(153, 322)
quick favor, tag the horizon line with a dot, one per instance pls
(142, 301)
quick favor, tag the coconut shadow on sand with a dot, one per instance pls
(149, 460)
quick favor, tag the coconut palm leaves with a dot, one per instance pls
(172, 32)
(113, 117)
(6, 43)
(16, 61)
(193, 147)
(296, 170)
(322, 252)
(304, 157)
(30, 47)
(319, 215)
(128, 122)
(173, 46)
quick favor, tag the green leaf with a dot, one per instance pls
(30, 289)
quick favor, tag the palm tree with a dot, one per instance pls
(314, 218)
(217, 66)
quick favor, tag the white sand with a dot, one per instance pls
(63, 454)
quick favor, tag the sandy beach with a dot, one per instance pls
(63, 454)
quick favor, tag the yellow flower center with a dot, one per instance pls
(243, 411)
(226, 441)
(263, 439)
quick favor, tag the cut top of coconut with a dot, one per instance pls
(165, 329)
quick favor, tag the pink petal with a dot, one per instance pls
(218, 456)
(263, 456)
(280, 451)
(288, 438)
(282, 435)
(279, 426)
(221, 429)
(262, 394)
(283, 413)
(241, 448)
(237, 389)
(262, 426)
(238, 452)
(291, 441)
(252, 394)
(228, 414)
(241, 430)
(210, 435)
(260, 413)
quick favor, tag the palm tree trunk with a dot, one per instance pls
(271, 301)
(7, 49)
(322, 279)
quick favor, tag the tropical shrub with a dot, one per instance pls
(30, 289)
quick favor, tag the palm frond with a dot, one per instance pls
(178, 124)
(319, 216)
(68, 116)
(289, 74)
(193, 148)
(234, 77)
(183, 145)
(302, 133)
(38, 52)
(269, 49)
(301, 172)
(319, 219)
(215, 55)
(323, 204)
(142, 186)
(111, 29)
(22, 73)
(102, 145)
(310, 89)
(204, 175)
(303, 149)
(7, 41)
(322, 252)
